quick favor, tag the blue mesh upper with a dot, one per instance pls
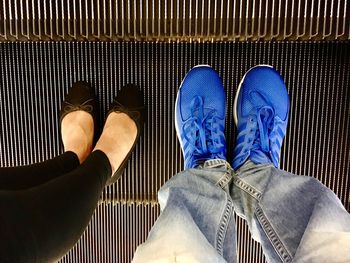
(262, 113)
(205, 82)
(262, 86)
(200, 116)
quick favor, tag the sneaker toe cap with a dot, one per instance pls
(205, 82)
(264, 86)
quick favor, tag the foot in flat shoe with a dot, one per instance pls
(123, 128)
(79, 118)
(117, 138)
(77, 129)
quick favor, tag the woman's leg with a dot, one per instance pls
(24, 177)
(77, 130)
(41, 224)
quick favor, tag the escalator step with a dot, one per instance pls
(36, 76)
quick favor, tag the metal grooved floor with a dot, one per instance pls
(36, 76)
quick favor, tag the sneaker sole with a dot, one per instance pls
(239, 90)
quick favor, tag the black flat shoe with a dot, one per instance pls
(129, 100)
(81, 96)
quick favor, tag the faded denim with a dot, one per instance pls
(295, 218)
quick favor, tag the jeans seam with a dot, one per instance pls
(215, 163)
(224, 180)
(247, 188)
(222, 229)
(272, 236)
(227, 177)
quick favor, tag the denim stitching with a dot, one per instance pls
(214, 163)
(269, 231)
(224, 180)
(247, 188)
(272, 236)
(220, 237)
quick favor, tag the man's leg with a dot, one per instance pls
(295, 218)
(197, 222)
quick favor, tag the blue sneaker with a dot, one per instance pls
(200, 116)
(261, 110)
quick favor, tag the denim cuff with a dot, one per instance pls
(218, 171)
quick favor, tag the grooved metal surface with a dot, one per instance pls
(174, 20)
(109, 239)
(113, 234)
(35, 77)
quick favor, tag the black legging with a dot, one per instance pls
(46, 207)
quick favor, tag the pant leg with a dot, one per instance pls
(41, 224)
(197, 222)
(23, 177)
(295, 218)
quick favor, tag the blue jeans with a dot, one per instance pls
(295, 218)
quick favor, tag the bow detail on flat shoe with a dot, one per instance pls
(85, 106)
(134, 113)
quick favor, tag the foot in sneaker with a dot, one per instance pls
(261, 110)
(200, 116)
